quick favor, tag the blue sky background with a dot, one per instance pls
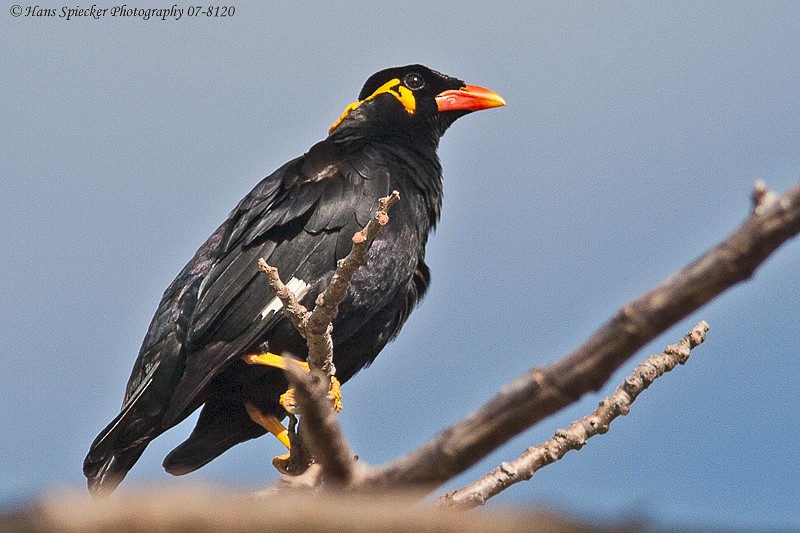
(633, 134)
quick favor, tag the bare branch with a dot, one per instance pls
(543, 391)
(576, 435)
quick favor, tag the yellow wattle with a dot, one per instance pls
(393, 87)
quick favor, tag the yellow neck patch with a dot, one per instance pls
(393, 87)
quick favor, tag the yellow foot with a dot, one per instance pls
(335, 394)
(287, 399)
(288, 402)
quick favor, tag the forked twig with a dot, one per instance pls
(320, 430)
(576, 435)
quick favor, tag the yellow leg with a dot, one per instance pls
(274, 426)
(270, 423)
(270, 359)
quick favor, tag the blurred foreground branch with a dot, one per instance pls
(203, 512)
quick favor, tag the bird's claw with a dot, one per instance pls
(281, 463)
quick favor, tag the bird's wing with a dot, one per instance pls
(159, 355)
(161, 360)
(303, 229)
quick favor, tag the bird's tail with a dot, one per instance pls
(115, 450)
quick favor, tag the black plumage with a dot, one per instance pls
(301, 219)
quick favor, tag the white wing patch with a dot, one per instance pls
(297, 286)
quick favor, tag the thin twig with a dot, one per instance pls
(543, 391)
(576, 435)
(319, 427)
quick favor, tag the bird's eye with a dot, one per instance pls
(414, 81)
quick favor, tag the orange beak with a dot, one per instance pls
(468, 98)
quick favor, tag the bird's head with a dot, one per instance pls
(412, 100)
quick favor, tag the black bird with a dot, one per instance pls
(301, 219)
